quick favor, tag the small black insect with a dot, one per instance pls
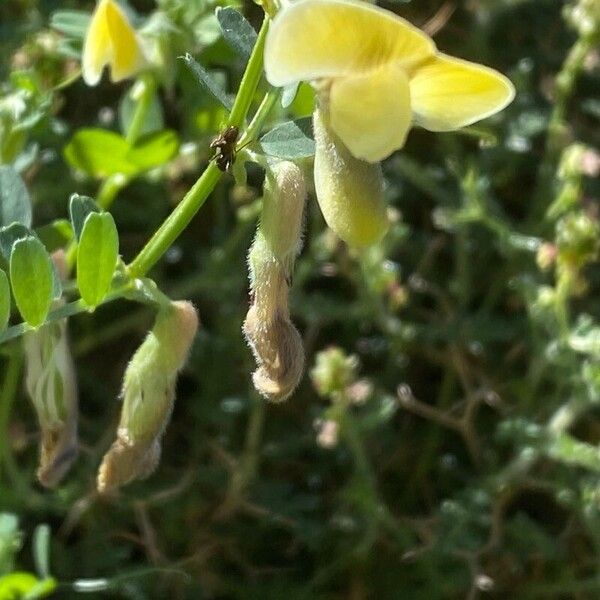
(224, 145)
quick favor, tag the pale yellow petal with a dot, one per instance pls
(313, 39)
(127, 56)
(449, 93)
(97, 49)
(371, 113)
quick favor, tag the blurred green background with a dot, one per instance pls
(444, 441)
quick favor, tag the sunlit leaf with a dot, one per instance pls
(32, 279)
(154, 150)
(99, 153)
(97, 256)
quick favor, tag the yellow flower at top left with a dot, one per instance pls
(111, 41)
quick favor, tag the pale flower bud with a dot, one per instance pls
(275, 342)
(148, 397)
(50, 381)
(349, 190)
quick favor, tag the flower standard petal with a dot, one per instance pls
(449, 93)
(127, 57)
(97, 50)
(371, 113)
(315, 39)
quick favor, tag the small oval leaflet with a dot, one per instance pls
(32, 277)
(15, 204)
(97, 257)
(290, 140)
(4, 300)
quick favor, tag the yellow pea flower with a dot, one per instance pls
(111, 41)
(376, 74)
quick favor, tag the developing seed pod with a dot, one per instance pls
(50, 381)
(275, 342)
(349, 190)
(148, 397)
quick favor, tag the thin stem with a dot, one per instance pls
(254, 128)
(143, 93)
(67, 310)
(175, 223)
(250, 79)
(179, 219)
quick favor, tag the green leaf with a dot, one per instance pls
(79, 209)
(102, 153)
(99, 153)
(238, 33)
(15, 204)
(73, 23)
(56, 234)
(207, 81)
(9, 235)
(154, 150)
(41, 550)
(31, 276)
(4, 300)
(290, 140)
(97, 256)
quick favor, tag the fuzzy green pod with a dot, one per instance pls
(349, 190)
(50, 381)
(148, 396)
(275, 342)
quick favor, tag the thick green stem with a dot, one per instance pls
(179, 219)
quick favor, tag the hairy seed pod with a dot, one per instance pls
(148, 397)
(349, 190)
(50, 381)
(275, 342)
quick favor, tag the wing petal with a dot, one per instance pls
(449, 93)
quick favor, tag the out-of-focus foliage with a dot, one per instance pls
(445, 440)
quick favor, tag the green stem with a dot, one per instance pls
(175, 223)
(254, 128)
(143, 93)
(179, 219)
(67, 310)
(250, 79)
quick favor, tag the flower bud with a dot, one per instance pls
(334, 371)
(349, 190)
(148, 397)
(50, 381)
(275, 342)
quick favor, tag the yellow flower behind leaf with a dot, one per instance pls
(376, 74)
(111, 41)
